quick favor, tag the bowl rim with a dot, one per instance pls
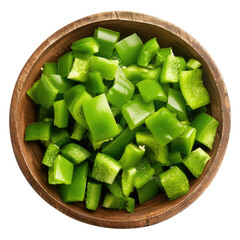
(141, 18)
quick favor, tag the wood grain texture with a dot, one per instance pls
(23, 111)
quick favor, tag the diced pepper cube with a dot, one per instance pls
(51, 153)
(128, 180)
(93, 195)
(65, 63)
(86, 45)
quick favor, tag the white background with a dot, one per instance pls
(24, 25)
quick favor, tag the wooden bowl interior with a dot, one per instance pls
(32, 152)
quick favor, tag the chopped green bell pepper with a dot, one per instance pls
(105, 168)
(31, 92)
(135, 73)
(148, 52)
(78, 131)
(96, 82)
(116, 147)
(44, 113)
(115, 56)
(127, 181)
(196, 161)
(65, 63)
(38, 131)
(164, 126)
(176, 103)
(86, 45)
(93, 195)
(107, 40)
(193, 64)
(148, 191)
(75, 153)
(121, 91)
(174, 182)
(154, 151)
(106, 67)
(193, 90)
(171, 69)
(81, 67)
(74, 98)
(116, 187)
(76, 190)
(165, 52)
(100, 119)
(61, 172)
(206, 127)
(144, 173)
(151, 90)
(175, 158)
(128, 49)
(51, 153)
(184, 142)
(131, 156)
(59, 137)
(60, 114)
(61, 83)
(45, 92)
(136, 111)
(50, 68)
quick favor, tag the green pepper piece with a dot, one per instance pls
(93, 195)
(158, 167)
(86, 45)
(106, 67)
(175, 158)
(136, 111)
(59, 137)
(184, 142)
(74, 99)
(96, 82)
(61, 83)
(115, 56)
(193, 64)
(165, 52)
(31, 92)
(65, 63)
(50, 155)
(116, 147)
(121, 91)
(61, 172)
(100, 119)
(131, 156)
(148, 191)
(60, 114)
(105, 168)
(107, 40)
(44, 113)
(50, 68)
(76, 190)
(116, 187)
(75, 153)
(78, 131)
(164, 126)
(127, 181)
(144, 173)
(176, 103)
(151, 90)
(81, 67)
(38, 131)
(128, 49)
(206, 127)
(196, 161)
(171, 69)
(159, 60)
(148, 52)
(174, 182)
(154, 151)
(193, 90)
(135, 73)
(45, 92)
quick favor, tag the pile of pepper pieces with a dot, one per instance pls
(121, 120)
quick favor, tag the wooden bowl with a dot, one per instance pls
(23, 111)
